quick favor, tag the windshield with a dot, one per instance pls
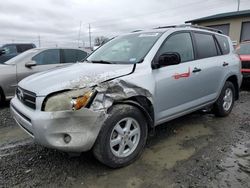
(22, 56)
(244, 49)
(128, 49)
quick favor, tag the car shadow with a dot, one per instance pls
(165, 146)
(5, 104)
(245, 86)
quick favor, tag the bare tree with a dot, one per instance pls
(100, 40)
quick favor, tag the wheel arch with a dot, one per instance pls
(143, 104)
(234, 80)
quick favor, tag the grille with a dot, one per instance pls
(26, 97)
(245, 64)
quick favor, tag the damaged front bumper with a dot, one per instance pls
(69, 131)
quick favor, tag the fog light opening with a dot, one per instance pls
(67, 138)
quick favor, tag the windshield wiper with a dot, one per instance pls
(86, 61)
(102, 62)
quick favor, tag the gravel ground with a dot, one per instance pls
(197, 150)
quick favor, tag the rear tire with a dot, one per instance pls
(2, 97)
(122, 137)
(225, 102)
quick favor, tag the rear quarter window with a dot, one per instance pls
(224, 44)
(205, 45)
(24, 47)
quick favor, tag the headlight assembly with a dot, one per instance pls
(69, 100)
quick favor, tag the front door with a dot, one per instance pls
(177, 86)
(45, 60)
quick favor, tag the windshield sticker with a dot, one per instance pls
(132, 59)
(148, 35)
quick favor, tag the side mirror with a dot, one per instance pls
(2, 51)
(167, 59)
(30, 64)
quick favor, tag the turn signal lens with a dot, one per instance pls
(81, 101)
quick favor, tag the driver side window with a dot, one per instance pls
(180, 43)
(48, 57)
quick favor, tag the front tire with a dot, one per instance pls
(122, 137)
(225, 102)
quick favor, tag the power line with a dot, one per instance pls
(89, 36)
(79, 34)
(148, 14)
(39, 41)
(165, 13)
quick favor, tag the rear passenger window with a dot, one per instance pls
(23, 47)
(180, 43)
(71, 55)
(81, 55)
(205, 45)
(224, 45)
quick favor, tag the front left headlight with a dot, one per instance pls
(68, 100)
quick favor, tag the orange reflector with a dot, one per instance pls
(82, 101)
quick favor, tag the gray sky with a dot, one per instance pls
(58, 21)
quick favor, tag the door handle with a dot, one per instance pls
(225, 64)
(196, 70)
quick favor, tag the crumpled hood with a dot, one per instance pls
(78, 75)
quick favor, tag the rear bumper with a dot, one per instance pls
(50, 128)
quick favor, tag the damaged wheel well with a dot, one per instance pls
(144, 104)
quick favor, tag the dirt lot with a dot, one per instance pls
(198, 150)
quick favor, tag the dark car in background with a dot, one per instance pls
(244, 52)
(33, 61)
(9, 51)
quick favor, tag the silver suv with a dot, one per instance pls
(127, 87)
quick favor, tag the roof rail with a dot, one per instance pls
(164, 27)
(138, 30)
(206, 28)
(192, 26)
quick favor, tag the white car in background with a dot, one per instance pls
(33, 61)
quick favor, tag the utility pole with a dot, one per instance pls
(238, 9)
(89, 36)
(39, 41)
(79, 34)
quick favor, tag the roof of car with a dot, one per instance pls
(67, 48)
(8, 44)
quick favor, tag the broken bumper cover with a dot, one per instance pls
(50, 128)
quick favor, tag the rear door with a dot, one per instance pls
(44, 60)
(210, 62)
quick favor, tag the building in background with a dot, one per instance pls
(234, 24)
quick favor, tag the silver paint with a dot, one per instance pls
(170, 97)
